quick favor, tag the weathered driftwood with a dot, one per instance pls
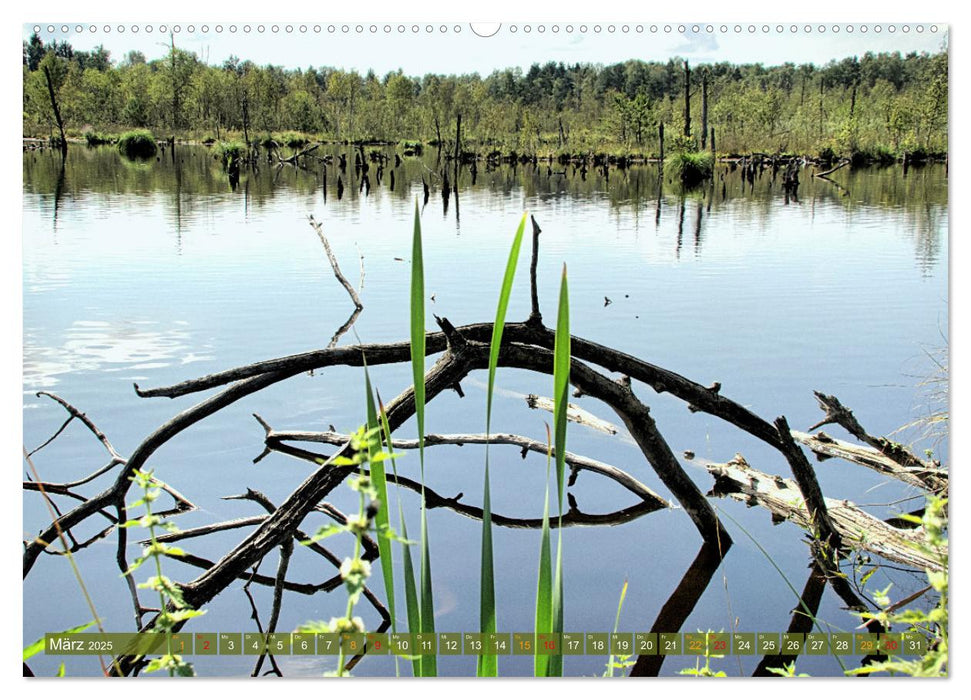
(574, 414)
(319, 228)
(825, 446)
(782, 498)
(837, 413)
(812, 495)
(842, 164)
(576, 462)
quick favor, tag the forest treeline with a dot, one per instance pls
(876, 103)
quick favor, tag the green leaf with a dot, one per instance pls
(623, 594)
(38, 646)
(418, 334)
(428, 663)
(411, 593)
(324, 532)
(379, 480)
(561, 385)
(544, 586)
(488, 664)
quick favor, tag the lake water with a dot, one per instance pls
(160, 271)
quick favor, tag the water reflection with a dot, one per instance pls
(191, 174)
(106, 346)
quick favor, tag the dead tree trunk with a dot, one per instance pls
(57, 112)
(458, 152)
(704, 109)
(687, 100)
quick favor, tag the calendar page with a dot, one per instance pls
(447, 349)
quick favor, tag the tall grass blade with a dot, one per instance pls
(428, 663)
(561, 386)
(408, 569)
(620, 604)
(381, 519)
(802, 604)
(544, 586)
(488, 664)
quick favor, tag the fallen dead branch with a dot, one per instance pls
(782, 498)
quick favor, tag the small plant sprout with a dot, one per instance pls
(365, 449)
(173, 610)
(705, 671)
(932, 624)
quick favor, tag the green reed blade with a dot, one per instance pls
(381, 519)
(418, 337)
(498, 326)
(428, 663)
(488, 664)
(544, 586)
(561, 385)
(620, 604)
(408, 569)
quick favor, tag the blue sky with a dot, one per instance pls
(465, 52)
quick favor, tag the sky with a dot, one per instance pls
(388, 46)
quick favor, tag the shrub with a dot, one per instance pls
(690, 167)
(137, 144)
(96, 138)
(226, 151)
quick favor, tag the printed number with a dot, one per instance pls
(866, 645)
(205, 645)
(694, 645)
(549, 644)
(450, 645)
(524, 644)
(669, 645)
(598, 645)
(766, 645)
(303, 645)
(573, 644)
(817, 644)
(476, 645)
(891, 645)
(328, 642)
(744, 645)
(842, 645)
(623, 645)
(230, 645)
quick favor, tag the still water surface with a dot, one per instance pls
(161, 271)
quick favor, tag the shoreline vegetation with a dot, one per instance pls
(877, 108)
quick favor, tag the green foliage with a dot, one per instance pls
(412, 606)
(705, 671)
(38, 646)
(365, 444)
(582, 107)
(427, 620)
(138, 143)
(96, 138)
(227, 151)
(488, 663)
(561, 385)
(691, 168)
(932, 624)
(544, 583)
(624, 661)
(173, 609)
